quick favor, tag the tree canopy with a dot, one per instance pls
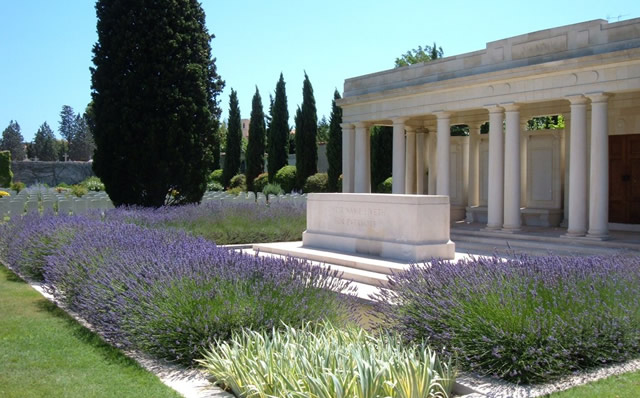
(420, 54)
(155, 101)
(278, 139)
(334, 146)
(44, 144)
(306, 131)
(234, 141)
(255, 146)
(13, 141)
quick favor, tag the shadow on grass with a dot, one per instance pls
(86, 336)
(10, 275)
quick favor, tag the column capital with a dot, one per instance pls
(410, 129)
(495, 108)
(422, 130)
(399, 120)
(346, 126)
(577, 99)
(362, 125)
(511, 106)
(443, 114)
(597, 97)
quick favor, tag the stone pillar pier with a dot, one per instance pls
(399, 159)
(362, 183)
(512, 169)
(474, 165)
(495, 209)
(444, 152)
(420, 160)
(599, 173)
(348, 157)
(465, 171)
(410, 169)
(578, 167)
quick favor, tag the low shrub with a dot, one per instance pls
(323, 361)
(6, 175)
(260, 182)
(4, 194)
(527, 320)
(272, 189)
(214, 186)
(238, 181)
(235, 191)
(171, 294)
(386, 186)
(17, 186)
(215, 176)
(286, 178)
(318, 182)
(93, 184)
(79, 190)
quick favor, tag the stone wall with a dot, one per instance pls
(51, 173)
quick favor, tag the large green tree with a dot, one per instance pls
(44, 144)
(255, 147)
(155, 101)
(81, 146)
(66, 126)
(278, 139)
(334, 146)
(13, 141)
(417, 55)
(306, 131)
(234, 141)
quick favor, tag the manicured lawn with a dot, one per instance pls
(622, 386)
(46, 353)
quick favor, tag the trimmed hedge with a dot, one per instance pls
(318, 182)
(260, 182)
(286, 178)
(6, 175)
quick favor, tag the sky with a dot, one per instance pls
(46, 46)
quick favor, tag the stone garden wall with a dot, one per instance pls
(51, 173)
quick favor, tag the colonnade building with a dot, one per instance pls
(585, 176)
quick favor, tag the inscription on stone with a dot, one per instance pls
(357, 216)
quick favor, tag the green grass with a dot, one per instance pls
(46, 353)
(626, 385)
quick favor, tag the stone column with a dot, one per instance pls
(474, 165)
(512, 169)
(432, 158)
(362, 183)
(599, 173)
(578, 167)
(348, 157)
(495, 209)
(523, 164)
(398, 172)
(420, 161)
(465, 171)
(444, 153)
(410, 169)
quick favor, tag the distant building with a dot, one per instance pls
(245, 127)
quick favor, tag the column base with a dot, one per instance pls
(511, 228)
(575, 234)
(598, 235)
(493, 227)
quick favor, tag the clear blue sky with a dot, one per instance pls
(45, 45)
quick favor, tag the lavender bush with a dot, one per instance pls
(529, 319)
(223, 222)
(171, 294)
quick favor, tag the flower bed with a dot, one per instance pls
(527, 320)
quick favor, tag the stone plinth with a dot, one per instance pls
(403, 227)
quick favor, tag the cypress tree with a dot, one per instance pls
(44, 143)
(278, 139)
(13, 141)
(234, 141)
(334, 146)
(255, 147)
(155, 89)
(66, 125)
(306, 131)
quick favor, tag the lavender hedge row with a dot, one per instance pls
(529, 319)
(166, 292)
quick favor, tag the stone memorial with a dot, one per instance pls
(410, 228)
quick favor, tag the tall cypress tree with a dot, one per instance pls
(234, 141)
(255, 147)
(306, 146)
(44, 143)
(278, 140)
(334, 146)
(155, 89)
(66, 125)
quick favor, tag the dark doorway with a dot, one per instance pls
(624, 179)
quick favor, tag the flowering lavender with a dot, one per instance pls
(528, 319)
(171, 294)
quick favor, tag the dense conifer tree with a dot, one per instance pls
(155, 105)
(44, 144)
(334, 146)
(278, 140)
(13, 141)
(234, 141)
(306, 131)
(66, 125)
(255, 147)
(81, 146)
